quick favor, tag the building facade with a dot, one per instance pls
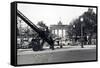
(59, 29)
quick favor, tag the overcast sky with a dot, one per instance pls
(51, 14)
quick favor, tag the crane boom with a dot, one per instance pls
(41, 33)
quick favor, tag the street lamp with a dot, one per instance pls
(82, 19)
(74, 34)
(73, 26)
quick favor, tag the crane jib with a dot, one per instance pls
(35, 28)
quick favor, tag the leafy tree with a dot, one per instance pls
(41, 25)
(88, 25)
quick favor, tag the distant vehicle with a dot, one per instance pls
(25, 39)
(68, 42)
(23, 43)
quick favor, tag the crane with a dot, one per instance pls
(43, 34)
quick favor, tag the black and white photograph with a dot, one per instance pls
(48, 33)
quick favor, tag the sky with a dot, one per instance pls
(51, 14)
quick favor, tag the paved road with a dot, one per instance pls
(58, 55)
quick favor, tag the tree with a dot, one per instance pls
(41, 25)
(89, 24)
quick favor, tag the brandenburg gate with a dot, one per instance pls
(60, 30)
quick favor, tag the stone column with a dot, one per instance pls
(57, 32)
(54, 31)
(62, 32)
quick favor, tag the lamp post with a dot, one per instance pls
(74, 35)
(82, 19)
